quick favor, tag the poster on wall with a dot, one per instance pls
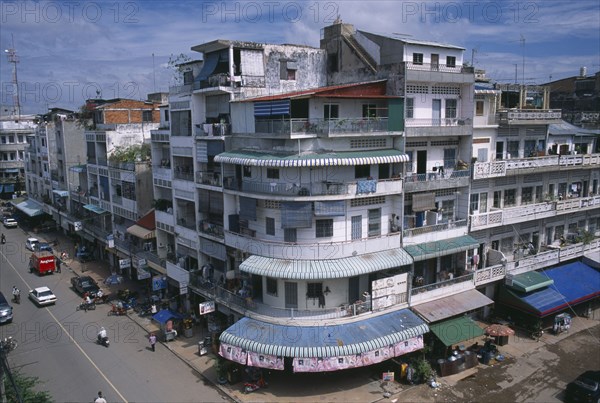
(265, 361)
(408, 346)
(233, 353)
(206, 307)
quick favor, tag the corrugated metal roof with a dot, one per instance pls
(455, 330)
(326, 269)
(530, 281)
(325, 340)
(350, 158)
(444, 247)
(457, 304)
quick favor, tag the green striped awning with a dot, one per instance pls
(527, 282)
(324, 340)
(257, 158)
(326, 268)
(95, 209)
(444, 247)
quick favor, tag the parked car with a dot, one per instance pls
(42, 296)
(586, 388)
(10, 222)
(85, 284)
(43, 246)
(6, 311)
(31, 243)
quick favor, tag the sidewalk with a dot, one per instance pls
(340, 386)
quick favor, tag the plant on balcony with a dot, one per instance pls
(137, 152)
(585, 237)
(162, 204)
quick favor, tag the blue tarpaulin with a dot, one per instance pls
(164, 315)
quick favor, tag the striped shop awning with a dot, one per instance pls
(331, 340)
(326, 268)
(271, 108)
(250, 158)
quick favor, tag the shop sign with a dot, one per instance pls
(143, 274)
(124, 263)
(139, 263)
(183, 288)
(388, 377)
(206, 307)
(110, 241)
(159, 283)
(77, 226)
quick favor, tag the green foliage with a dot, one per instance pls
(85, 118)
(173, 65)
(585, 236)
(27, 389)
(138, 152)
(422, 370)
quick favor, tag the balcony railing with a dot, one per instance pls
(210, 228)
(323, 126)
(434, 228)
(517, 166)
(441, 122)
(209, 178)
(210, 130)
(529, 115)
(434, 180)
(184, 173)
(444, 68)
(442, 284)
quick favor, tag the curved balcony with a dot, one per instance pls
(305, 251)
(520, 166)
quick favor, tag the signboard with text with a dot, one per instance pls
(206, 307)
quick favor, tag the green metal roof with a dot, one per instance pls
(348, 158)
(430, 250)
(530, 281)
(455, 330)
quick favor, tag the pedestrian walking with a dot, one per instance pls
(152, 340)
(100, 398)
(58, 262)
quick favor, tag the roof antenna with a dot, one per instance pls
(14, 59)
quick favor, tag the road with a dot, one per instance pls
(57, 344)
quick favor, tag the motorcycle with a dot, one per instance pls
(252, 386)
(117, 311)
(101, 300)
(3, 240)
(103, 341)
(84, 306)
(16, 298)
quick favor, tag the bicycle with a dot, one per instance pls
(8, 344)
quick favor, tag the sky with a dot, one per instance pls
(69, 51)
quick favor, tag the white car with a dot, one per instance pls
(10, 222)
(31, 243)
(42, 296)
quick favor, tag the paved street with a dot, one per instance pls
(57, 344)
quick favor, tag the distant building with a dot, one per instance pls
(578, 97)
(14, 133)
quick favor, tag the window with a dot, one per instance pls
(289, 235)
(449, 158)
(11, 139)
(450, 108)
(314, 290)
(418, 58)
(374, 222)
(331, 111)
(410, 108)
(287, 69)
(497, 198)
(324, 228)
(166, 115)
(362, 171)
(272, 173)
(527, 195)
(272, 286)
(270, 225)
(20, 138)
(474, 203)
(450, 61)
(478, 108)
(188, 77)
(247, 171)
(181, 125)
(539, 194)
(513, 149)
(369, 111)
(559, 231)
(509, 197)
(291, 74)
(447, 210)
(147, 116)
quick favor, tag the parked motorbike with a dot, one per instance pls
(84, 306)
(252, 386)
(117, 311)
(3, 239)
(102, 338)
(101, 300)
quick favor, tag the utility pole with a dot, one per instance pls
(522, 40)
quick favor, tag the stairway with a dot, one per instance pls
(359, 50)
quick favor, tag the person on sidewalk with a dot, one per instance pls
(58, 265)
(152, 340)
(100, 398)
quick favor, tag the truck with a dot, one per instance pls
(43, 262)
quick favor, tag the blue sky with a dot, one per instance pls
(68, 50)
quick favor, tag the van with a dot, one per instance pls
(6, 311)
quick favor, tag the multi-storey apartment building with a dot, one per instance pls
(14, 132)
(534, 198)
(313, 184)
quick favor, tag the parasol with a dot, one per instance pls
(113, 279)
(497, 330)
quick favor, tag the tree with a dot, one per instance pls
(173, 65)
(133, 153)
(27, 389)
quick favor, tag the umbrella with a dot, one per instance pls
(113, 279)
(497, 330)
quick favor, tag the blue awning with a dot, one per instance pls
(270, 108)
(326, 340)
(9, 188)
(94, 208)
(1, 188)
(78, 168)
(565, 292)
(164, 315)
(61, 193)
(30, 207)
(12, 170)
